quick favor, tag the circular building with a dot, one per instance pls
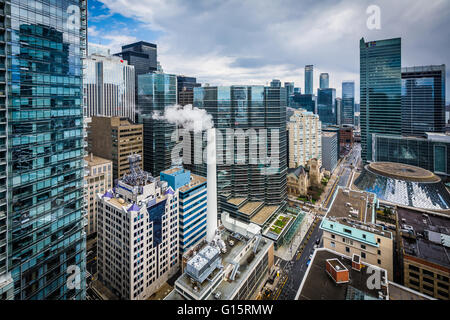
(405, 185)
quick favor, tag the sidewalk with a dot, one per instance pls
(287, 252)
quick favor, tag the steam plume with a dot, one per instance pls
(189, 117)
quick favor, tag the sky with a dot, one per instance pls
(226, 42)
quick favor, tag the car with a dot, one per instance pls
(308, 262)
(318, 241)
(310, 256)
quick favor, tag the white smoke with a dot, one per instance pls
(189, 117)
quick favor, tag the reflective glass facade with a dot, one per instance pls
(155, 92)
(420, 152)
(45, 44)
(309, 82)
(324, 81)
(423, 100)
(247, 107)
(380, 86)
(348, 103)
(326, 106)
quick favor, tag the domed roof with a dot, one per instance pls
(404, 185)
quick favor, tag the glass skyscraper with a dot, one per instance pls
(309, 82)
(247, 107)
(348, 103)
(326, 106)
(423, 100)
(324, 81)
(156, 91)
(380, 85)
(41, 141)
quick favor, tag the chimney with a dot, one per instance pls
(356, 262)
(337, 271)
(92, 156)
(211, 183)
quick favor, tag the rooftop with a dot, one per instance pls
(352, 203)
(399, 292)
(403, 171)
(228, 288)
(329, 134)
(94, 160)
(423, 235)
(236, 201)
(264, 214)
(195, 181)
(318, 285)
(250, 207)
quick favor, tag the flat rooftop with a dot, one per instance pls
(318, 285)
(94, 160)
(399, 292)
(264, 214)
(227, 287)
(195, 181)
(424, 240)
(249, 208)
(236, 201)
(403, 171)
(350, 202)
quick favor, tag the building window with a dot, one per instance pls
(333, 245)
(363, 246)
(379, 251)
(379, 261)
(363, 255)
(347, 249)
(333, 236)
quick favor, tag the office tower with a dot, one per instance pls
(156, 92)
(98, 179)
(338, 103)
(137, 234)
(305, 138)
(108, 87)
(41, 147)
(324, 81)
(380, 85)
(423, 100)
(330, 150)
(348, 103)
(248, 107)
(357, 107)
(304, 101)
(289, 86)
(326, 106)
(192, 203)
(275, 83)
(309, 82)
(431, 152)
(115, 139)
(185, 90)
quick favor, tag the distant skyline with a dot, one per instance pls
(252, 42)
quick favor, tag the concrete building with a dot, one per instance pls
(335, 276)
(115, 139)
(301, 178)
(230, 268)
(330, 149)
(423, 239)
(98, 179)
(108, 87)
(305, 138)
(137, 234)
(185, 90)
(350, 227)
(192, 205)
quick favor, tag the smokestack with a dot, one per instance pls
(211, 184)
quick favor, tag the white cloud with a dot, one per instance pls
(254, 41)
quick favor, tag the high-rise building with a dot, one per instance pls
(348, 103)
(185, 90)
(338, 103)
(380, 85)
(324, 81)
(275, 83)
(41, 149)
(98, 179)
(423, 100)
(137, 236)
(109, 87)
(330, 150)
(245, 108)
(192, 202)
(326, 106)
(115, 139)
(305, 138)
(289, 92)
(156, 92)
(309, 82)
(304, 101)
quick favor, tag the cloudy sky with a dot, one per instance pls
(225, 42)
